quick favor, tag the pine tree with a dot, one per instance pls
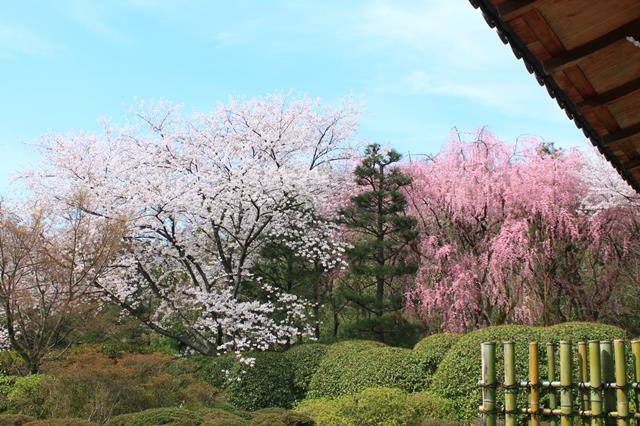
(384, 232)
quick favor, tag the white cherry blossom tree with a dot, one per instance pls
(199, 195)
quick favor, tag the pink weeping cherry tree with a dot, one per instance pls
(199, 195)
(519, 233)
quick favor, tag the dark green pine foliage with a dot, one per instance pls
(381, 253)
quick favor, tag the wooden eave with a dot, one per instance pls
(583, 51)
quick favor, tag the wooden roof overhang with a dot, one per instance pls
(587, 54)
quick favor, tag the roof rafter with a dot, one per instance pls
(621, 134)
(611, 95)
(513, 8)
(573, 56)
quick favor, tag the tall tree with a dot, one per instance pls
(200, 193)
(519, 234)
(49, 261)
(382, 232)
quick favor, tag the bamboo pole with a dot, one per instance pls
(584, 377)
(635, 351)
(534, 380)
(608, 376)
(510, 389)
(551, 370)
(622, 402)
(596, 383)
(488, 383)
(566, 398)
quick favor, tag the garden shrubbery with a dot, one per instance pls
(305, 361)
(432, 349)
(269, 383)
(458, 373)
(377, 406)
(350, 367)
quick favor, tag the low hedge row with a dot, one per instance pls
(433, 348)
(378, 406)
(216, 417)
(350, 367)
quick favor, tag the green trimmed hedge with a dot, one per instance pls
(61, 422)
(432, 349)
(305, 361)
(279, 417)
(349, 367)
(158, 416)
(458, 373)
(269, 383)
(377, 406)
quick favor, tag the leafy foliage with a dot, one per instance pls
(305, 360)
(279, 417)
(350, 367)
(432, 349)
(158, 416)
(377, 406)
(268, 383)
(383, 231)
(458, 373)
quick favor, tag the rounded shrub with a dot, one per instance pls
(280, 417)
(61, 422)
(324, 411)
(268, 383)
(219, 417)
(457, 375)
(350, 367)
(212, 369)
(429, 406)
(158, 416)
(432, 349)
(15, 419)
(377, 406)
(305, 360)
(580, 332)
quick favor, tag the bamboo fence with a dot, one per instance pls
(600, 396)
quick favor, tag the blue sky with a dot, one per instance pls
(421, 67)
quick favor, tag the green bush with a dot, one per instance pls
(377, 406)
(27, 396)
(15, 419)
(350, 367)
(431, 406)
(280, 417)
(158, 416)
(458, 373)
(60, 422)
(305, 360)
(11, 363)
(219, 417)
(432, 349)
(212, 369)
(580, 332)
(269, 383)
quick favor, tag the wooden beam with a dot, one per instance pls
(610, 95)
(625, 133)
(513, 8)
(573, 56)
(634, 163)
